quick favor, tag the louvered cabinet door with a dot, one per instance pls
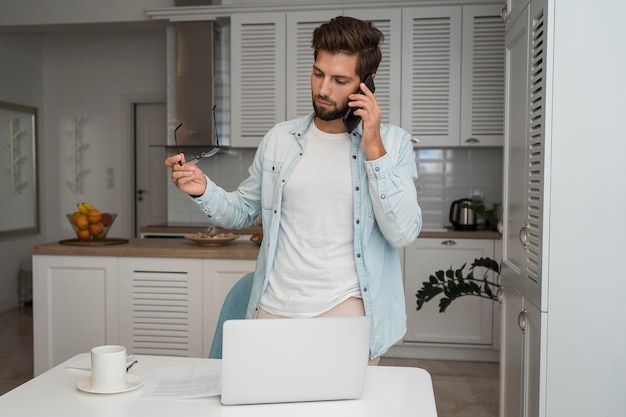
(482, 76)
(160, 306)
(387, 81)
(431, 74)
(258, 76)
(300, 27)
(536, 150)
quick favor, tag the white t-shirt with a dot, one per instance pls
(314, 268)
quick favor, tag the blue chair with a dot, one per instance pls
(234, 307)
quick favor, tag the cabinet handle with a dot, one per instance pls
(448, 243)
(521, 320)
(523, 235)
(500, 294)
(472, 140)
(504, 14)
(415, 140)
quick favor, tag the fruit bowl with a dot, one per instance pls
(91, 226)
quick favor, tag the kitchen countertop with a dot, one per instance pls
(182, 229)
(241, 248)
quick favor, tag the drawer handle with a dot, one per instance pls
(448, 243)
(472, 140)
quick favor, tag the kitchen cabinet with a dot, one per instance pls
(160, 306)
(74, 307)
(453, 75)
(524, 153)
(151, 305)
(441, 77)
(468, 323)
(522, 266)
(219, 276)
(520, 355)
(257, 62)
(272, 60)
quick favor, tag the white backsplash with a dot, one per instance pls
(444, 176)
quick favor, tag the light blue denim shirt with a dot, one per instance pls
(386, 216)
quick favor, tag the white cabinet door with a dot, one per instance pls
(511, 354)
(468, 320)
(300, 26)
(257, 76)
(520, 356)
(219, 277)
(160, 306)
(74, 306)
(482, 77)
(525, 153)
(431, 74)
(388, 76)
(514, 198)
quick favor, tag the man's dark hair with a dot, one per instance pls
(352, 37)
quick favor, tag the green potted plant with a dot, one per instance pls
(453, 283)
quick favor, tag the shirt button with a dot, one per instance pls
(382, 196)
(275, 211)
(283, 180)
(353, 156)
(358, 255)
(364, 289)
(358, 221)
(356, 188)
(377, 169)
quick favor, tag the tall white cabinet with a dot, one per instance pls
(563, 322)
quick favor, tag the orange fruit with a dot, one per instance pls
(83, 234)
(94, 216)
(80, 221)
(96, 229)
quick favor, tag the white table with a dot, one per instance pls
(389, 391)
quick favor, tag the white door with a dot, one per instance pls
(150, 171)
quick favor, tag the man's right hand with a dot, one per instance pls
(186, 176)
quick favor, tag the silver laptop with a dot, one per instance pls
(292, 360)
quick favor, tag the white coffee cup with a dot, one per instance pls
(108, 368)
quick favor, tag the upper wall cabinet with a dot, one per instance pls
(258, 76)
(300, 27)
(441, 77)
(453, 75)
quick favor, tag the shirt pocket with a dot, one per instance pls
(269, 183)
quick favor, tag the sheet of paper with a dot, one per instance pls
(183, 382)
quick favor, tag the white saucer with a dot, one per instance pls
(132, 382)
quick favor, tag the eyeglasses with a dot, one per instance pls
(207, 154)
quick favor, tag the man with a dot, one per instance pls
(335, 207)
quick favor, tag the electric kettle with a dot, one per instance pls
(462, 218)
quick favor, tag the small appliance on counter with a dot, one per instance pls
(462, 218)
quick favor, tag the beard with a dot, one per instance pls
(329, 114)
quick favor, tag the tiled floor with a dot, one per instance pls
(16, 348)
(462, 389)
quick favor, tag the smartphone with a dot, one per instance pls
(350, 120)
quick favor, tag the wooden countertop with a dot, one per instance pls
(457, 234)
(156, 248)
(172, 229)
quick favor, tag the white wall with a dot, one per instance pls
(89, 74)
(21, 82)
